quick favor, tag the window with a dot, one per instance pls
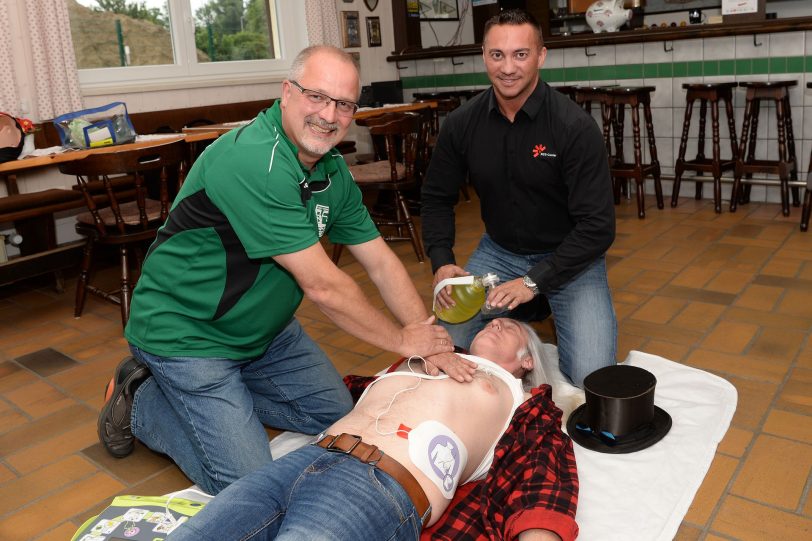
(164, 44)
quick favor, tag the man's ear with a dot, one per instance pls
(285, 94)
(542, 57)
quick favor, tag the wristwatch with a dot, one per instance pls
(530, 284)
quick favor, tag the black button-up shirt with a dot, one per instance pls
(543, 182)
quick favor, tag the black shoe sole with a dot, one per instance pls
(119, 449)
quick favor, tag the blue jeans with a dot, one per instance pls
(208, 414)
(311, 494)
(584, 316)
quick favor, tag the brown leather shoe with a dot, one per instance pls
(114, 420)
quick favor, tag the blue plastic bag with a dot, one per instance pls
(90, 128)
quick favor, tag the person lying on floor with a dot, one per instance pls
(393, 464)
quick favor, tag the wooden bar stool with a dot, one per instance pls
(585, 96)
(620, 169)
(710, 92)
(807, 202)
(567, 90)
(807, 207)
(786, 166)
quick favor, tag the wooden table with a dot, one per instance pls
(12, 168)
(364, 112)
(218, 129)
(367, 112)
(39, 252)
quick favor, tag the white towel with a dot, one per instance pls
(640, 496)
(644, 496)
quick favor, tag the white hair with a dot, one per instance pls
(546, 370)
(535, 348)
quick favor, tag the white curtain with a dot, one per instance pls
(322, 23)
(9, 100)
(56, 81)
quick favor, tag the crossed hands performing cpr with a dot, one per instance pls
(435, 338)
(508, 295)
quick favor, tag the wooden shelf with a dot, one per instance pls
(639, 35)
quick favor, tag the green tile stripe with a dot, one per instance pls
(696, 68)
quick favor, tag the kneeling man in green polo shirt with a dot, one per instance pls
(217, 352)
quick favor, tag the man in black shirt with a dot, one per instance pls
(539, 165)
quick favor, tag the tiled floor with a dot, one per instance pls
(729, 293)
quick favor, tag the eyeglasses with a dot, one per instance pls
(343, 107)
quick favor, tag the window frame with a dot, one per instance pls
(187, 73)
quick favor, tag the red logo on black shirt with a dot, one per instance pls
(539, 149)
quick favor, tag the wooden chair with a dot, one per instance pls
(444, 106)
(120, 212)
(395, 174)
(378, 143)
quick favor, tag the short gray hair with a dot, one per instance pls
(535, 347)
(298, 65)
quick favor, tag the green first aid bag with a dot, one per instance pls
(138, 518)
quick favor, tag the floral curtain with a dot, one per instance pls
(9, 100)
(56, 80)
(322, 23)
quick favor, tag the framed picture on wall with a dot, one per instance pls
(439, 10)
(374, 31)
(663, 6)
(743, 11)
(350, 29)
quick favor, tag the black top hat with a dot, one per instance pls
(619, 415)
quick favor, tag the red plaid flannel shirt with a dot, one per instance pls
(532, 482)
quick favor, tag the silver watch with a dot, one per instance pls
(530, 284)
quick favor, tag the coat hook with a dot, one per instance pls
(398, 66)
(456, 63)
(754, 42)
(586, 52)
(667, 49)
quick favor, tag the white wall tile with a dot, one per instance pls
(462, 64)
(804, 157)
(719, 48)
(575, 57)
(631, 53)
(425, 67)
(662, 97)
(663, 122)
(787, 44)
(554, 59)
(747, 48)
(805, 92)
(443, 66)
(657, 52)
(479, 64)
(687, 50)
(806, 124)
